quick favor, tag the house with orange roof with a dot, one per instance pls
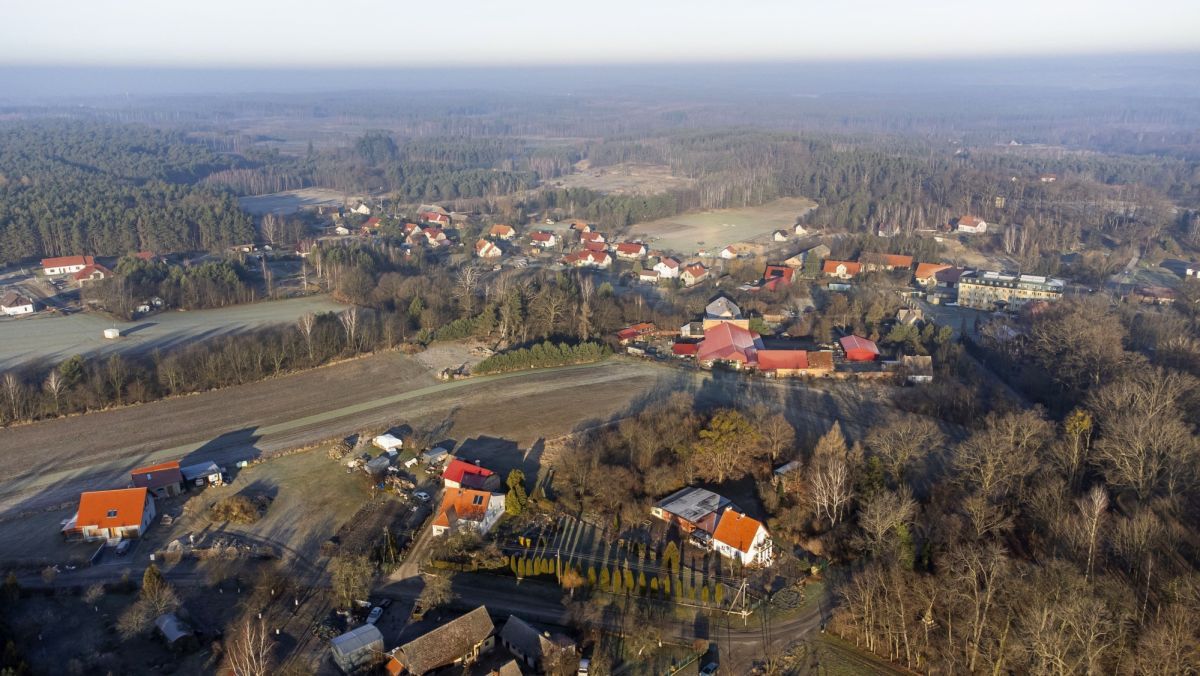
(926, 274)
(595, 246)
(111, 515)
(872, 262)
(743, 538)
(486, 249)
(92, 273)
(777, 276)
(163, 480)
(505, 232)
(581, 226)
(468, 508)
(841, 269)
(435, 218)
(591, 236)
(65, 265)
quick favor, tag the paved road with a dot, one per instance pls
(57, 337)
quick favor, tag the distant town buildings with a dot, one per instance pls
(989, 290)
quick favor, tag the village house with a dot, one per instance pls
(743, 539)
(799, 230)
(14, 304)
(373, 223)
(463, 474)
(486, 249)
(435, 218)
(580, 227)
(588, 259)
(91, 273)
(971, 225)
(694, 274)
(467, 508)
(776, 276)
(729, 344)
(460, 641)
(1192, 270)
(631, 250)
(647, 276)
(872, 262)
(362, 209)
(504, 232)
(780, 235)
(691, 509)
(635, 331)
(530, 646)
(435, 236)
(113, 515)
(592, 236)
(163, 480)
(595, 246)
(859, 349)
(926, 274)
(728, 253)
(65, 265)
(667, 268)
(819, 252)
(543, 239)
(841, 269)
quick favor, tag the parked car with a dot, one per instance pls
(123, 547)
(422, 496)
(584, 664)
(375, 614)
(709, 669)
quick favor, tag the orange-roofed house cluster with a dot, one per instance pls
(712, 521)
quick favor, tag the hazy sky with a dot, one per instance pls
(505, 32)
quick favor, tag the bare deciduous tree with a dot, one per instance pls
(250, 650)
(306, 323)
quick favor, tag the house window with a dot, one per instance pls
(477, 500)
(112, 513)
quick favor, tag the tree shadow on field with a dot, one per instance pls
(226, 448)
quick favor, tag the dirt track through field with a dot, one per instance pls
(51, 462)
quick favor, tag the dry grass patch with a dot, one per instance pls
(239, 509)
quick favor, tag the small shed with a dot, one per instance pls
(435, 456)
(859, 349)
(379, 465)
(388, 442)
(202, 474)
(175, 632)
(356, 648)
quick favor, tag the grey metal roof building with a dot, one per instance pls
(356, 647)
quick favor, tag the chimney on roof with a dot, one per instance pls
(477, 462)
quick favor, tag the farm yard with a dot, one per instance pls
(717, 228)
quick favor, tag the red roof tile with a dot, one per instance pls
(120, 508)
(770, 360)
(737, 530)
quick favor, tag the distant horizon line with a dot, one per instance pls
(918, 59)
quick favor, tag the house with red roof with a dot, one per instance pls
(777, 276)
(743, 538)
(667, 268)
(859, 349)
(92, 273)
(872, 262)
(783, 363)
(593, 259)
(971, 225)
(436, 236)
(841, 269)
(468, 508)
(463, 474)
(631, 250)
(163, 480)
(111, 515)
(635, 331)
(486, 249)
(543, 239)
(595, 246)
(685, 350)
(505, 232)
(730, 344)
(591, 236)
(694, 274)
(581, 227)
(65, 265)
(373, 223)
(435, 218)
